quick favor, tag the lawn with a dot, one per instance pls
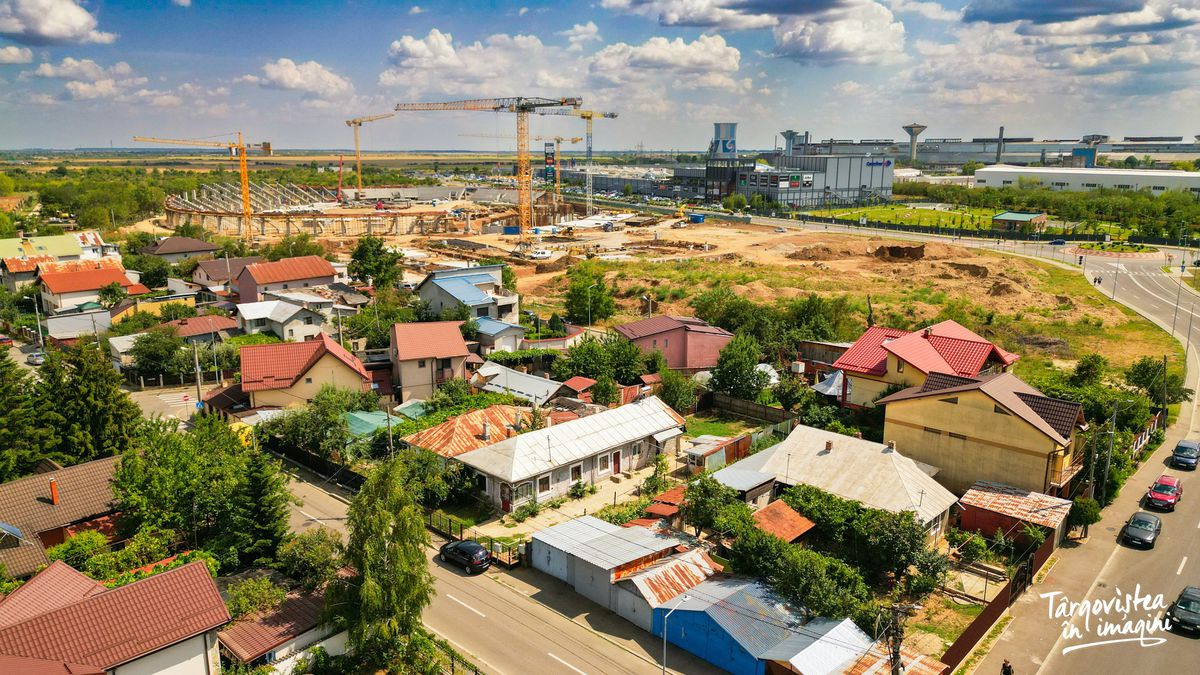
(1118, 247)
(718, 425)
(468, 514)
(944, 618)
(902, 214)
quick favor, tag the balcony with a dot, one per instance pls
(1064, 471)
(443, 374)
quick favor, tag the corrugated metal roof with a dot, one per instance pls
(781, 520)
(464, 433)
(492, 327)
(290, 269)
(604, 544)
(496, 378)
(464, 290)
(864, 471)
(1024, 505)
(537, 452)
(669, 577)
(742, 479)
(665, 322)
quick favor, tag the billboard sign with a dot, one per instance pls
(549, 161)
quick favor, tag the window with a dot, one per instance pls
(443, 364)
(291, 332)
(933, 431)
(481, 312)
(603, 466)
(308, 321)
(524, 491)
(576, 473)
(308, 380)
(1158, 187)
(1006, 182)
(899, 366)
(543, 485)
(654, 342)
(285, 285)
(958, 436)
(666, 342)
(1000, 410)
(421, 363)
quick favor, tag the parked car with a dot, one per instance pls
(1142, 529)
(1059, 242)
(5, 341)
(1185, 454)
(1166, 493)
(781, 230)
(1185, 611)
(470, 555)
(35, 359)
(541, 254)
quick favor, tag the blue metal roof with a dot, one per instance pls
(493, 327)
(464, 290)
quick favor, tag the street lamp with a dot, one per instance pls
(589, 292)
(649, 299)
(682, 598)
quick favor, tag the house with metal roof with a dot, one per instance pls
(426, 354)
(544, 463)
(989, 506)
(40, 511)
(887, 357)
(498, 336)
(63, 622)
(275, 639)
(283, 319)
(872, 474)
(742, 626)
(753, 487)
(176, 249)
(281, 275)
(471, 430)
(1019, 221)
(499, 379)
(216, 274)
(995, 428)
(480, 288)
(688, 344)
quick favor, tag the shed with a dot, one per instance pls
(709, 453)
(1019, 220)
(989, 506)
(753, 487)
(781, 520)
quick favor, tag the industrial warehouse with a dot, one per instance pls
(1082, 179)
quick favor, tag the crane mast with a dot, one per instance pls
(356, 124)
(588, 116)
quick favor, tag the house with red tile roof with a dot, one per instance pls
(995, 428)
(290, 273)
(279, 637)
(164, 623)
(426, 354)
(883, 357)
(689, 344)
(289, 374)
(175, 249)
(471, 431)
(68, 290)
(207, 328)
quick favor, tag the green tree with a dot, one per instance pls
(172, 311)
(1089, 370)
(265, 500)
(660, 478)
(374, 322)
(605, 391)
(678, 391)
(392, 585)
(373, 262)
(969, 168)
(7, 185)
(294, 246)
(82, 411)
(1147, 374)
(736, 372)
(320, 427)
(111, 294)
(79, 548)
(1084, 513)
(734, 202)
(588, 358)
(508, 278)
(704, 499)
(588, 297)
(626, 359)
(791, 392)
(20, 437)
(627, 190)
(557, 325)
(156, 352)
(312, 558)
(254, 595)
(655, 362)
(154, 270)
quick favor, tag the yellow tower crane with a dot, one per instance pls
(237, 149)
(558, 140)
(522, 106)
(587, 116)
(355, 124)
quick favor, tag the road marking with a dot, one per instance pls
(1181, 564)
(310, 516)
(466, 605)
(565, 663)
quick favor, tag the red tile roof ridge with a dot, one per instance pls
(279, 365)
(57, 585)
(290, 269)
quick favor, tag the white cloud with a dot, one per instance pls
(309, 77)
(182, 3)
(860, 32)
(81, 91)
(82, 69)
(695, 13)
(580, 34)
(42, 99)
(416, 9)
(12, 54)
(706, 62)
(43, 22)
(523, 11)
(933, 11)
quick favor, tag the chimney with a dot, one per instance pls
(828, 446)
(858, 434)
(486, 435)
(517, 420)
(53, 491)
(891, 445)
(927, 332)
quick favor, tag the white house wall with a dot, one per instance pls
(189, 657)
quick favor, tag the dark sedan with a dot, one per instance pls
(1142, 529)
(1185, 454)
(1184, 613)
(469, 555)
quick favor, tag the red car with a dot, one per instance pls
(5, 341)
(1165, 493)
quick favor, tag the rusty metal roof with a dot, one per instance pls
(1014, 502)
(667, 578)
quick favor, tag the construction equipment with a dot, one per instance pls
(355, 124)
(587, 116)
(237, 149)
(557, 153)
(522, 106)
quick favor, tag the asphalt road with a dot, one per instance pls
(502, 630)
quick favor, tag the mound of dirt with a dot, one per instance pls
(556, 265)
(821, 253)
(1064, 301)
(1002, 288)
(1043, 343)
(977, 271)
(898, 253)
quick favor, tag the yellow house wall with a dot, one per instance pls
(153, 308)
(997, 447)
(417, 382)
(864, 389)
(329, 370)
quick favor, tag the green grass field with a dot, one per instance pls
(901, 214)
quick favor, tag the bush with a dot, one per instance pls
(578, 490)
(527, 510)
(1084, 512)
(149, 545)
(619, 514)
(312, 558)
(79, 548)
(254, 595)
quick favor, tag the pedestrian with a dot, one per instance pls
(1006, 669)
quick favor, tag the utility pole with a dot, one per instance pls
(1112, 433)
(1164, 383)
(896, 634)
(196, 361)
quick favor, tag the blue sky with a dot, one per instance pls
(90, 72)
